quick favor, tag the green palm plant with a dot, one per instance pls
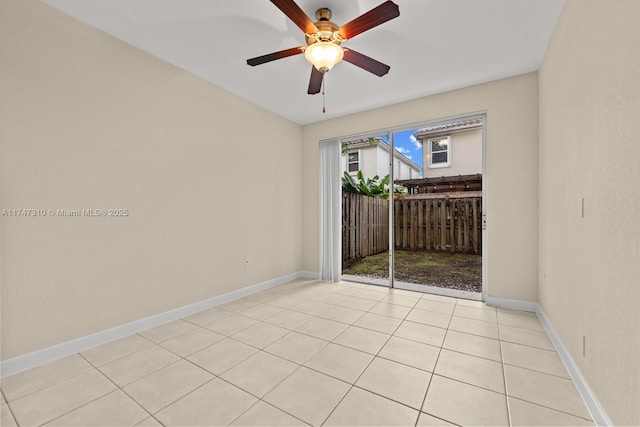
(374, 187)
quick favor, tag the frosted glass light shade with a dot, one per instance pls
(323, 55)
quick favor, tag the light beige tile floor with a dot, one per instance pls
(311, 353)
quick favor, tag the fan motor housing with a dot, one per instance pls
(327, 30)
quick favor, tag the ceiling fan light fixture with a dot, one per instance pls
(323, 55)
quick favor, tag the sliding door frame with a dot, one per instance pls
(389, 132)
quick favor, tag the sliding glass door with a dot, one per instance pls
(365, 183)
(437, 231)
(411, 207)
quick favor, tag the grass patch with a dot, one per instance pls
(434, 268)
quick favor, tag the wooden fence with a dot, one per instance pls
(445, 222)
(365, 226)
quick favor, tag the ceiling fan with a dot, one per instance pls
(323, 39)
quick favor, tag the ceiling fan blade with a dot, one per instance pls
(315, 82)
(376, 16)
(366, 63)
(275, 55)
(293, 12)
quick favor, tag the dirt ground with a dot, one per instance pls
(434, 268)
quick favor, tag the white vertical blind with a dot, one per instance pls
(330, 212)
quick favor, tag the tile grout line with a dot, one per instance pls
(206, 370)
(86, 403)
(435, 365)
(534, 370)
(531, 370)
(420, 411)
(121, 389)
(55, 384)
(179, 398)
(190, 362)
(554, 409)
(118, 387)
(145, 375)
(504, 379)
(260, 399)
(392, 335)
(50, 385)
(219, 376)
(266, 403)
(229, 368)
(6, 402)
(352, 385)
(91, 365)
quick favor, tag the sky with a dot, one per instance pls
(408, 145)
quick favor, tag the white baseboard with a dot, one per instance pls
(513, 304)
(589, 398)
(49, 354)
(310, 275)
(594, 407)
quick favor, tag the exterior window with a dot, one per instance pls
(353, 162)
(440, 152)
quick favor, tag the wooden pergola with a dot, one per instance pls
(443, 184)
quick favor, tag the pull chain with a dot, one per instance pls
(324, 78)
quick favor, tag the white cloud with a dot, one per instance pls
(415, 142)
(404, 151)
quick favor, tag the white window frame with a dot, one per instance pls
(359, 162)
(439, 165)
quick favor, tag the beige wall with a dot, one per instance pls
(466, 155)
(91, 122)
(512, 145)
(589, 279)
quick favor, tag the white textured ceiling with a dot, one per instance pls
(432, 47)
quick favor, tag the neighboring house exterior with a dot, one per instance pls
(452, 149)
(371, 156)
